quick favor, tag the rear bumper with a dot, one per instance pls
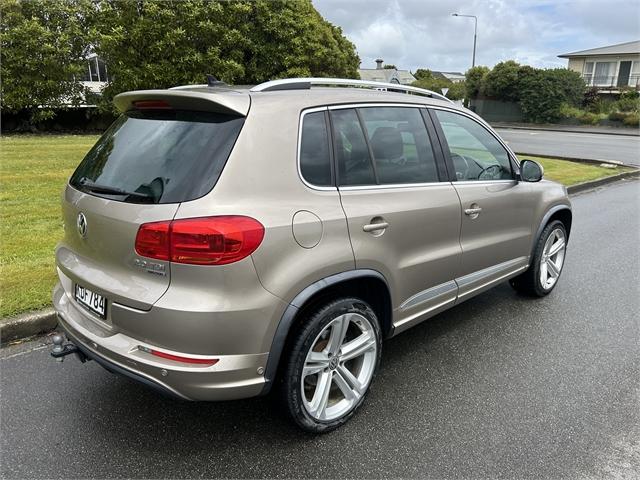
(233, 377)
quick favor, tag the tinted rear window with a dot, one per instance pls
(159, 156)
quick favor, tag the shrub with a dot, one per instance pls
(567, 111)
(589, 118)
(618, 116)
(627, 104)
(632, 120)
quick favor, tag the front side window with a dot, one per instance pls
(315, 161)
(400, 145)
(474, 152)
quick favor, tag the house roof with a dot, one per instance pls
(388, 75)
(449, 75)
(627, 48)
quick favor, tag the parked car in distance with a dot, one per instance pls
(219, 242)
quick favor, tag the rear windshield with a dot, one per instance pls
(158, 156)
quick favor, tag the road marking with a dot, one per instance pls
(24, 352)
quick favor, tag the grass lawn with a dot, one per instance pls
(33, 172)
(570, 173)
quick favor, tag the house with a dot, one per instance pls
(387, 75)
(96, 75)
(608, 68)
(453, 77)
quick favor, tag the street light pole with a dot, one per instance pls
(475, 34)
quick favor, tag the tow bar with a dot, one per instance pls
(61, 349)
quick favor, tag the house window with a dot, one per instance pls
(96, 70)
(605, 73)
(587, 73)
(634, 77)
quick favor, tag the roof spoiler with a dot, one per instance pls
(231, 103)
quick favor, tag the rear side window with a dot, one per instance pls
(159, 156)
(354, 164)
(315, 161)
(400, 145)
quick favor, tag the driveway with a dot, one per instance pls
(622, 148)
(501, 386)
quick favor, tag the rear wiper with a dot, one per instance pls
(97, 188)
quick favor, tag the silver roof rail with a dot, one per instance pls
(307, 83)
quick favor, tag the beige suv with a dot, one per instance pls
(220, 241)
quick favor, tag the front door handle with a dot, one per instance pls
(473, 211)
(372, 227)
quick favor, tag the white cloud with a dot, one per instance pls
(422, 33)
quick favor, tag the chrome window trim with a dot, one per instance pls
(375, 104)
(387, 185)
(391, 185)
(489, 129)
(299, 166)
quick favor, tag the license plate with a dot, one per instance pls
(92, 301)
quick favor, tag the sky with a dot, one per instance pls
(414, 34)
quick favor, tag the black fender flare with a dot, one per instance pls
(544, 221)
(289, 315)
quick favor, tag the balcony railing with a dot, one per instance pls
(610, 82)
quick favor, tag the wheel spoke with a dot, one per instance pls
(339, 329)
(343, 383)
(316, 362)
(358, 346)
(351, 380)
(556, 247)
(321, 395)
(553, 269)
(544, 273)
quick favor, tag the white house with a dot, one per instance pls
(387, 75)
(608, 68)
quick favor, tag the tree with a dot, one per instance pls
(149, 44)
(390, 67)
(474, 82)
(502, 81)
(44, 44)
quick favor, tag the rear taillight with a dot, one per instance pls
(200, 241)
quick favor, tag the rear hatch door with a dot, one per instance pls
(149, 161)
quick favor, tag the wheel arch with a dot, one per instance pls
(559, 212)
(367, 284)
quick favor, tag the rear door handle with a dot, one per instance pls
(372, 227)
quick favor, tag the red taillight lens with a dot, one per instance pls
(201, 241)
(153, 240)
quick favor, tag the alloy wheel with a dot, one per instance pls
(339, 367)
(552, 258)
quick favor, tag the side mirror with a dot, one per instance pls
(531, 171)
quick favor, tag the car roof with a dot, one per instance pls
(237, 99)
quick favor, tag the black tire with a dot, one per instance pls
(528, 283)
(311, 327)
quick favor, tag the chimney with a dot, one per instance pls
(379, 63)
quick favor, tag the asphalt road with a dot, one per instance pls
(501, 386)
(595, 146)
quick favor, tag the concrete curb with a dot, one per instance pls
(27, 325)
(634, 133)
(581, 187)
